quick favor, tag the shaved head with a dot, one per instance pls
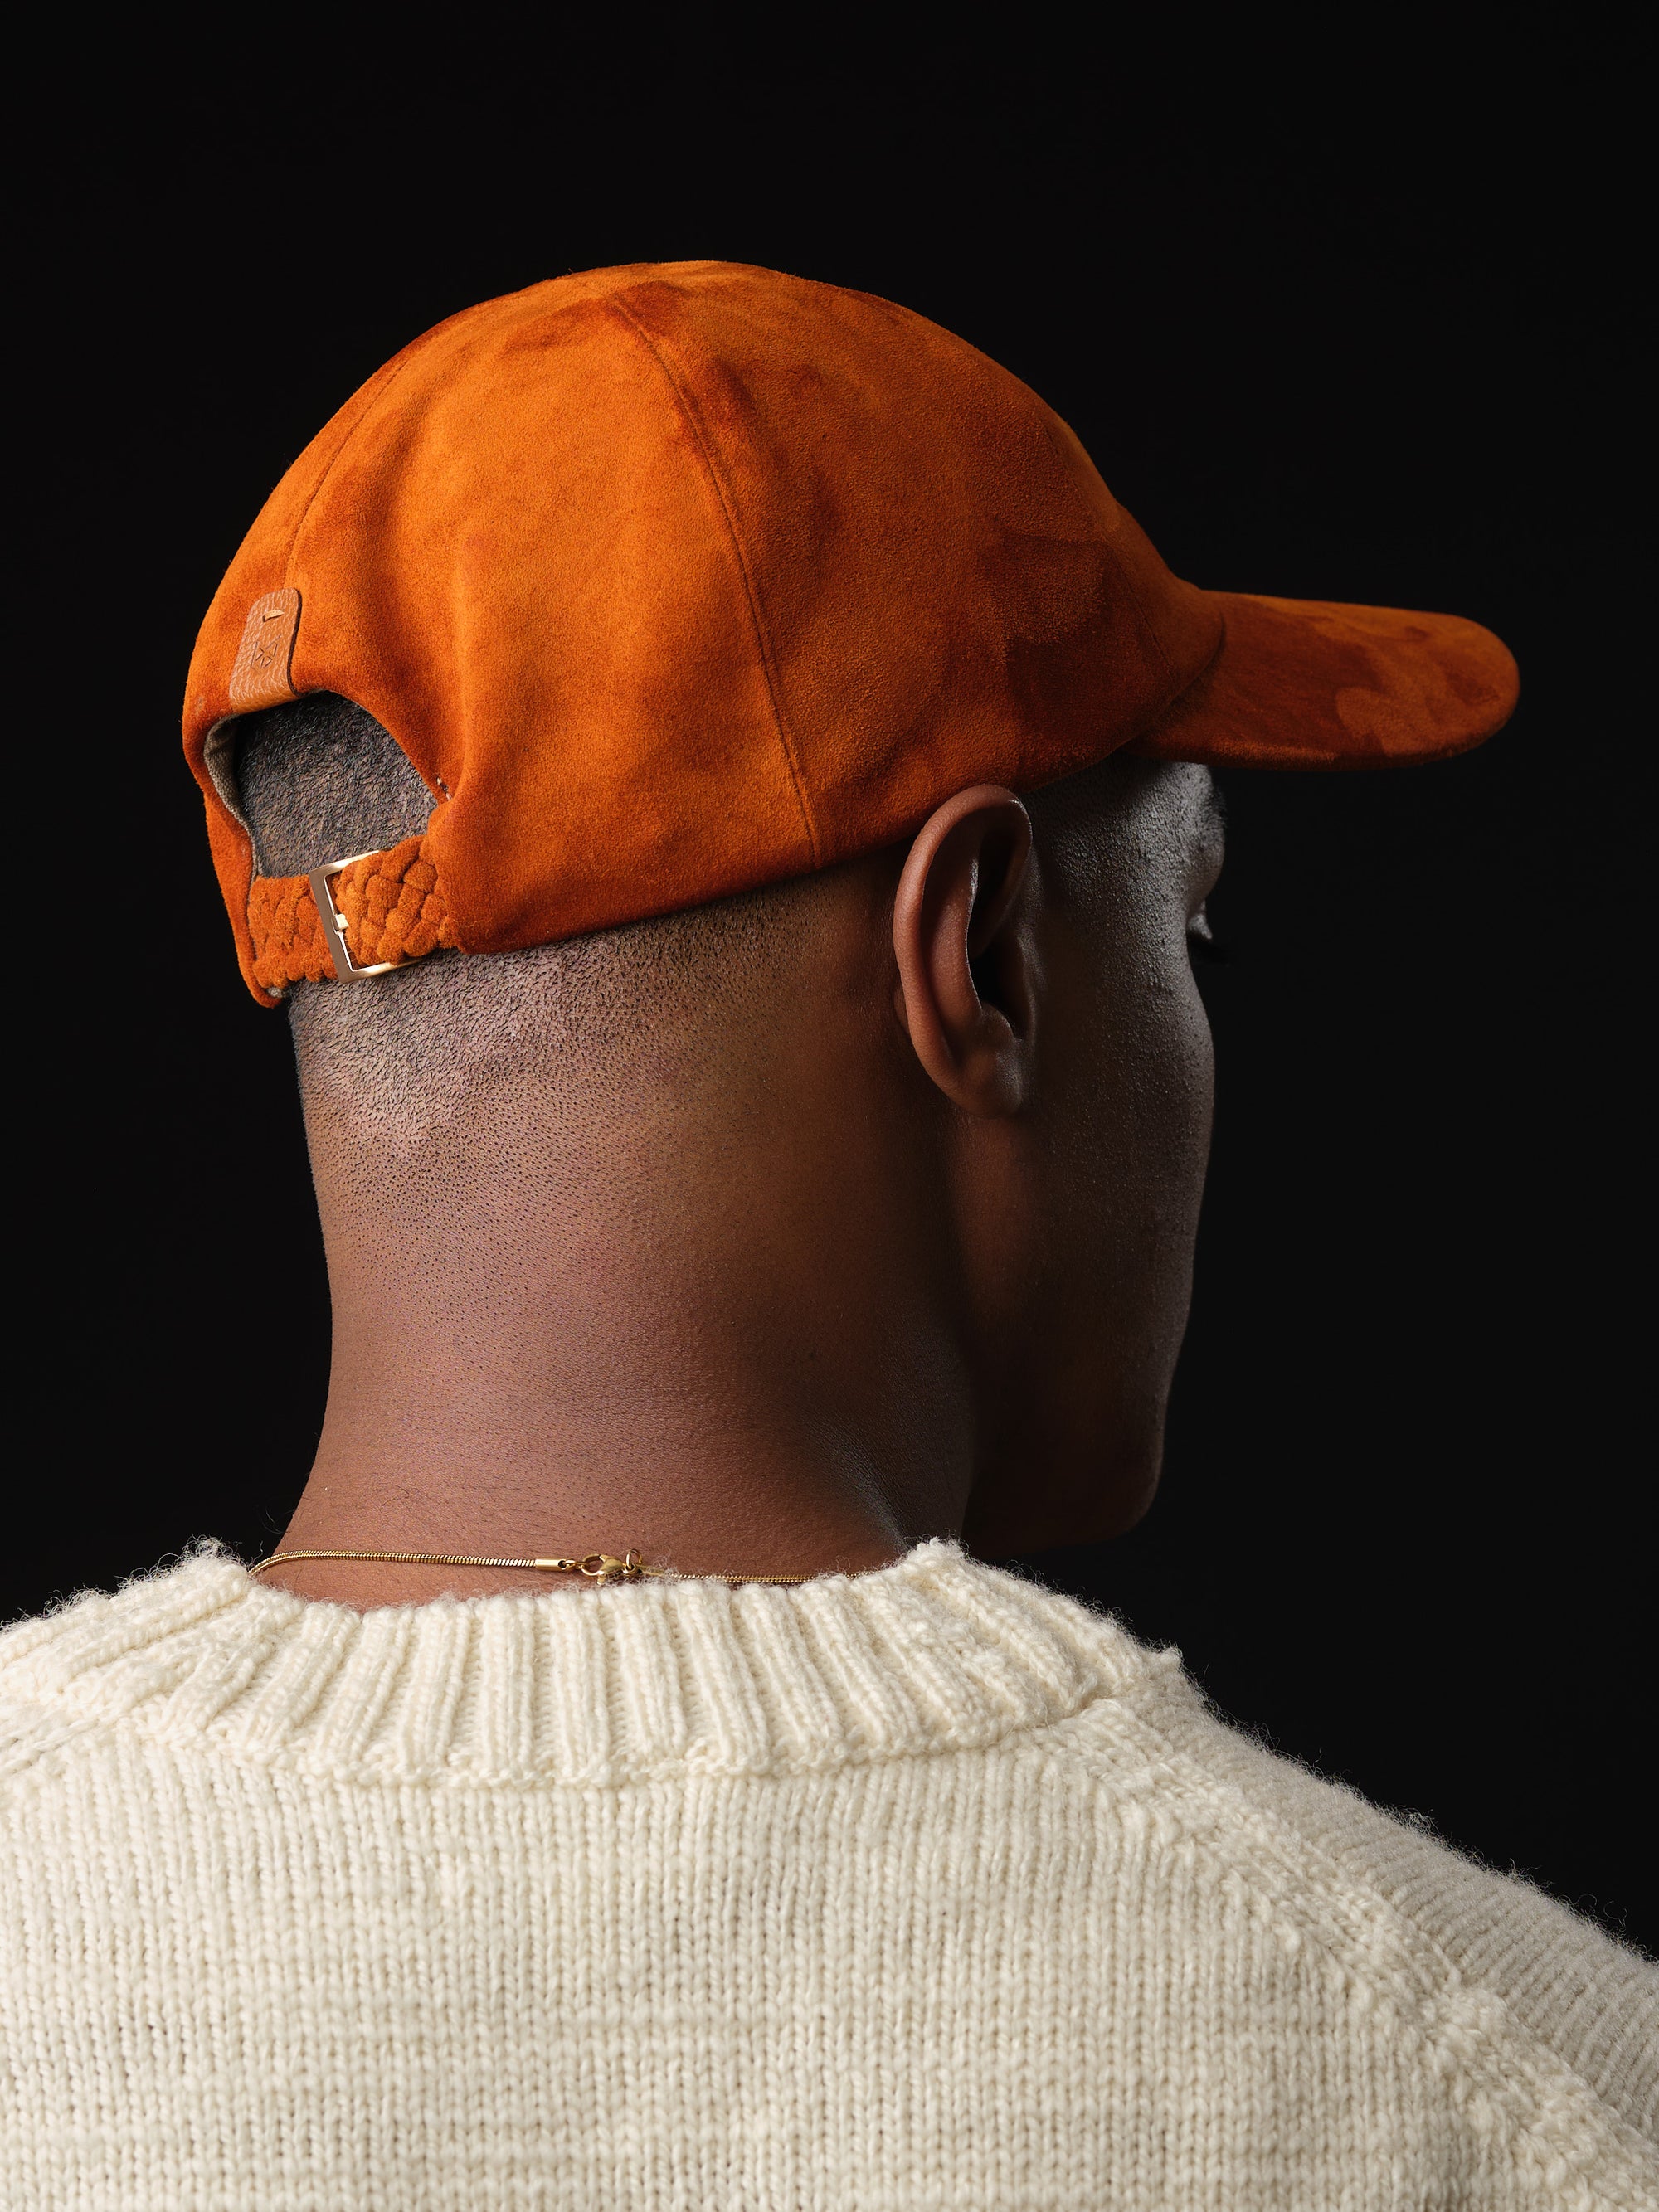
(322, 777)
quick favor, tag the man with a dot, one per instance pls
(723, 793)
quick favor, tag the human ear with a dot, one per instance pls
(962, 934)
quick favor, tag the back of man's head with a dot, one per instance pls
(799, 1131)
(739, 970)
(396, 1063)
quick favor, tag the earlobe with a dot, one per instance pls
(963, 936)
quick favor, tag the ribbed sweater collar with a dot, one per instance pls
(936, 1652)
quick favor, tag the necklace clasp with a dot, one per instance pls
(603, 1567)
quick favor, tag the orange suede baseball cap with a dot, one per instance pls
(675, 580)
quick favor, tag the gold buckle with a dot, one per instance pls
(334, 930)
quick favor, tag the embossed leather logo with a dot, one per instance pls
(259, 677)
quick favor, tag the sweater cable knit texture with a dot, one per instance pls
(922, 1888)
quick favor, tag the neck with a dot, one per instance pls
(581, 1359)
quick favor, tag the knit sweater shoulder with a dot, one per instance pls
(920, 1888)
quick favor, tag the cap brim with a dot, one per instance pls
(1305, 683)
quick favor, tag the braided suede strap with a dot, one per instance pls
(390, 903)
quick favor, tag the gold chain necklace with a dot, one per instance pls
(600, 1567)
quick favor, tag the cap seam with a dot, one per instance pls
(1155, 721)
(417, 345)
(757, 623)
(316, 491)
(1127, 583)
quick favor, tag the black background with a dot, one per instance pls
(1348, 323)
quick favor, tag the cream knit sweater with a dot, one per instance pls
(927, 1888)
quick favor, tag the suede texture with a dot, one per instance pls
(1302, 684)
(390, 905)
(675, 580)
